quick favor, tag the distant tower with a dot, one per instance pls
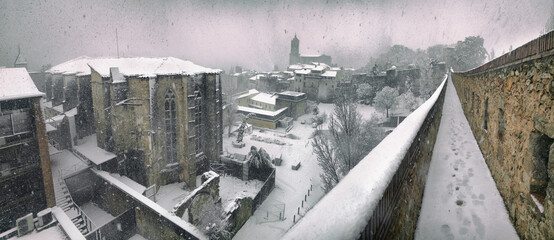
(294, 56)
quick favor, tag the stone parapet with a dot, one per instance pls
(509, 109)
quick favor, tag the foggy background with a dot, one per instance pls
(256, 34)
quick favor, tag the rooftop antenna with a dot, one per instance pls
(18, 54)
(117, 42)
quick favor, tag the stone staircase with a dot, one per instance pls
(65, 202)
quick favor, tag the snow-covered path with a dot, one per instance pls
(460, 200)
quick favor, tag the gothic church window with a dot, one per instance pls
(170, 127)
(198, 120)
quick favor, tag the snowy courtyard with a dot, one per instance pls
(291, 186)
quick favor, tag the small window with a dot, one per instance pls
(198, 120)
(12, 105)
(21, 122)
(5, 125)
(121, 92)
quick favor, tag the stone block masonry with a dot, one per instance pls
(509, 109)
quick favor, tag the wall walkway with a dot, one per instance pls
(460, 200)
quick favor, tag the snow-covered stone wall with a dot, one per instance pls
(382, 195)
(209, 189)
(153, 221)
(509, 109)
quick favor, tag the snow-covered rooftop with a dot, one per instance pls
(311, 55)
(88, 148)
(291, 93)
(260, 111)
(302, 71)
(148, 67)
(78, 66)
(295, 67)
(250, 92)
(15, 83)
(329, 74)
(139, 66)
(265, 98)
(319, 68)
(257, 77)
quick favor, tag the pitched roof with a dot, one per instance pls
(139, 66)
(265, 98)
(148, 67)
(15, 83)
(78, 66)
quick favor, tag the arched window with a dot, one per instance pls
(170, 127)
(198, 120)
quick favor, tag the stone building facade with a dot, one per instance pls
(25, 173)
(319, 82)
(68, 92)
(162, 117)
(509, 108)
(295, 102)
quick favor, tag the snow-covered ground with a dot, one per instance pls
(97, 215)
(65, 162)
(460, 200)
(170, 194)
(290, 186)
(231, 188)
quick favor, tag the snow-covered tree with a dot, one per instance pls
(213, 222)
(332, 168)
(407, 101)
(365, 92)
(491, 55)
(320, 119)
(469, 53)
(550, 23)
(371, 135)
(386, 99)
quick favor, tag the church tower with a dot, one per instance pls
(294, 56)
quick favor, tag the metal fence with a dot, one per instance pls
(265, 191)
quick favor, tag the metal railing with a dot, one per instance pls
(110, 230)
(537, 48)
(86, 219)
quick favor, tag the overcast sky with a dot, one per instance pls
(256, 34)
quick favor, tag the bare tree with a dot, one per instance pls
(332, 168)
(344, 126)
(348, 140)
(386, 99)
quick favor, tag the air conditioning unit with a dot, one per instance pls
(25, 225)
(44, 217)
